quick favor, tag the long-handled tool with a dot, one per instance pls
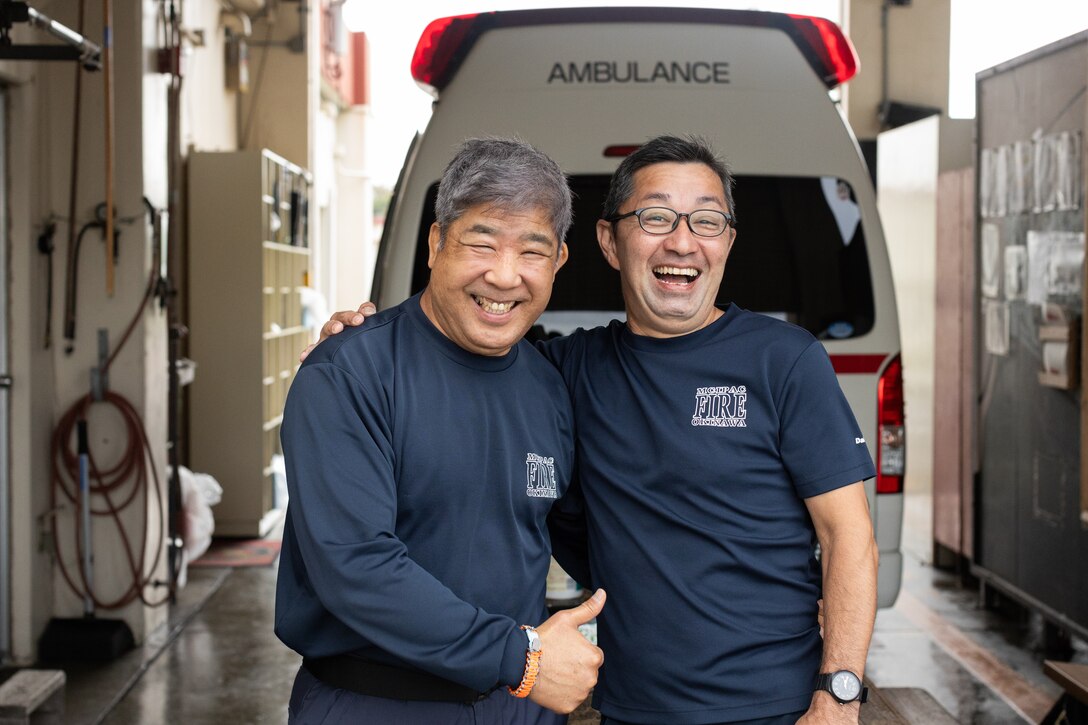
(88, 638)
(85, 515)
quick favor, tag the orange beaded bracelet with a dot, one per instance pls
(532, 663)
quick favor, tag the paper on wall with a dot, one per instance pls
(991, 260)
(986, 183)
(1057, 172)
(1044, 174)
(996, 326)
(1016, 271)
(1055, 267)
(1002, 162)
(1067, 184)
(1020, 185)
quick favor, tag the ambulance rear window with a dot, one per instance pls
(799, 256)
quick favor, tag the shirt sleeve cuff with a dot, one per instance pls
(861, 472)
(513, 659)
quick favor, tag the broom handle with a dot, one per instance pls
(107, 77)
(85, 516)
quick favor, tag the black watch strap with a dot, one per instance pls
(823, 682)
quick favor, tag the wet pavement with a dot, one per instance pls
(218, 661)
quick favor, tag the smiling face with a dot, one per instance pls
(491, 277)
(670, 281)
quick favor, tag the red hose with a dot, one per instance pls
(126, 479)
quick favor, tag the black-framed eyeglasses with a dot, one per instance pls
(662, 220)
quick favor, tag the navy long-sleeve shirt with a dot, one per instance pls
(420, 476)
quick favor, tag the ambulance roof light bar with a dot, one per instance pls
(446, 42)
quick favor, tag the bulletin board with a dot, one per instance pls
(1031, 502)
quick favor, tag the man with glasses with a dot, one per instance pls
(715, 449)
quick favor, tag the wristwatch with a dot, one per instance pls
(843, 685)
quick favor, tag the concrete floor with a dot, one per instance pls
(218, 661)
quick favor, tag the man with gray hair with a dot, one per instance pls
(424, 452)
(715, 449)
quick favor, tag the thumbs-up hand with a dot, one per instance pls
(569, 663)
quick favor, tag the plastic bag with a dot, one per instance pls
(199, 492)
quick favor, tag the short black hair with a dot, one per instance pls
(663, 149)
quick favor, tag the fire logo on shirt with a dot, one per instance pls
(540, 476)
(724, 406)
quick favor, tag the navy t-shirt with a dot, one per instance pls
(420, 477)
(695, 455)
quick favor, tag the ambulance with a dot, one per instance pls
(588, 85)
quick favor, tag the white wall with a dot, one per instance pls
(130, 375)
(281, 103)
(910, 158)
(49, 382)
(918, 52)
(31, 365)
(209, 110)
(357, 245)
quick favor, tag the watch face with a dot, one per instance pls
(845, 685)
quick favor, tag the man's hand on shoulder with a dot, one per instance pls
(338, 322)
(569, 664)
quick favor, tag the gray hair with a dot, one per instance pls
(505, 173)
(662, 149)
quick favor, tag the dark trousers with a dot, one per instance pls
(315, 703)
(787, 719)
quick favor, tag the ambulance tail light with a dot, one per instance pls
(446, 42)
(829, 51)
(619, 151)
(891, 451)
(441, 48)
